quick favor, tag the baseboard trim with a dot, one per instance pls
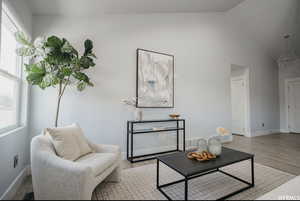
(29, 170)
(284, 131)
(14, 186)
(265, 132)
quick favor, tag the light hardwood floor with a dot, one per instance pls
(280, 151)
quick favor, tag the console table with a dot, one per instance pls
(132, 131)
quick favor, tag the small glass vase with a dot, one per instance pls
(202, 146)
(215, 146)
(138, 114)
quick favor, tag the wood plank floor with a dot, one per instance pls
(280, 151)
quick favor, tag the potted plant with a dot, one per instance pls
(54, 62)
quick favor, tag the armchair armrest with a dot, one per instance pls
(101, 148)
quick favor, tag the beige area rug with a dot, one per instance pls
(140, 184)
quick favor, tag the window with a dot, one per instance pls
(10, 76)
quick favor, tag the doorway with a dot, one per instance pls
(293, 100)
(240, 100)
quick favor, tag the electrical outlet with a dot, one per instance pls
(16, 161)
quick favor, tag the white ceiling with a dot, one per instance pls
(94, 7)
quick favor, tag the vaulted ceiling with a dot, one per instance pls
(266, 21)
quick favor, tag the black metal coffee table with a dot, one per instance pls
(190, 169)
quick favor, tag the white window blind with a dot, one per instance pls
(10, 76)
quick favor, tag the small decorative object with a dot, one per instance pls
(201, 156)
(130, 102)
(202, 145)
(174, 116)
(215, 146)
(222, 131)
(138, 113)
(155, 79)
(214, 141)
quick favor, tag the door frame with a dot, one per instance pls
(286, 104)
(246, 79)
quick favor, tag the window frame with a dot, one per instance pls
(18, 78)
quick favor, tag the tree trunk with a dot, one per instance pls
(57, 111)
(58, 103)
(61, 91)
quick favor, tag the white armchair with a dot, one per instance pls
(57, 179)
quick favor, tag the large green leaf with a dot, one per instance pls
(81, 86)
(35, 78)
(46, 82)
(88, 45)
(67, 71)
(54, 42)
(91, 84)
(36, 73)
(58, 58)
(23, 39)
(86, 62)
(92, 55)
(25, 51)
(68, 48)
(81, 77)
(35, 68)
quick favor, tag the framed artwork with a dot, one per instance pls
(155, 80)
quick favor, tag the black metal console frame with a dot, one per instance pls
(131, 132)
(188, 178)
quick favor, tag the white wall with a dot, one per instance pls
(286, 71)
(248, 52)
(204, 46)
(16, 142)
(237, 71)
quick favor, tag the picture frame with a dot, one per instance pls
(155, 85)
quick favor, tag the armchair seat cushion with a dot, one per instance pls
(98, 162)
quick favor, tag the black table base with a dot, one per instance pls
(131, 132)
(187, 179)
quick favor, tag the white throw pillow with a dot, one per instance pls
(69, 142)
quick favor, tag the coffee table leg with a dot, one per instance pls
(186, 191)
(157, 175)
(252, 171)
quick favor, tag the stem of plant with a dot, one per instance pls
(58, 103)
(61, 92)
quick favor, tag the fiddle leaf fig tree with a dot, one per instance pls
(54, 62)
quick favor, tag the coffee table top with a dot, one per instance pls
(187, 167)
